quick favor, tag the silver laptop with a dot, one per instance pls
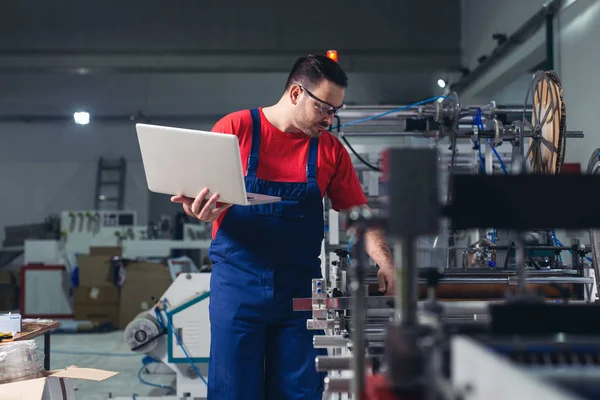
(184, 161)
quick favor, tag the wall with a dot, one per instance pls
(579, 50)
(45, 169)
(480, 20)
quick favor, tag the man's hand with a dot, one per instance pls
(200, 208)
(386, 277)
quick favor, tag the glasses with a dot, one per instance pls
(322, 106)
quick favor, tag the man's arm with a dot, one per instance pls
(378, 249)
(345, 193)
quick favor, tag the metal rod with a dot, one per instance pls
(398, 294)
(549, 41)
(413, 112)
(409, 284)
(505, 247)
(325, 363)
(358, 314)
(520, 260)
(372, 107)
(324, 341)
(382, 134)
(338, 385)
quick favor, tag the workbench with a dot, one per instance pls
(33, 328)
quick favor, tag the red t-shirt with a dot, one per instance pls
(282, 158)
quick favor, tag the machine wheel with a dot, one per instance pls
(546, 151)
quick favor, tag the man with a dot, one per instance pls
(264, 256)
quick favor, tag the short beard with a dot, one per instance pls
(310, 130)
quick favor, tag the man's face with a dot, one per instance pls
(317, 107)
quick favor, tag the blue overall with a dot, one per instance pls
(263, 257)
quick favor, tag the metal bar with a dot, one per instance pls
(409, 289)
(595, 243)
(496, 247)
(552, 279)
(325, 363)
(382, 134)
(338, 385)
(324, 341)
(455, 307)
(412, 112)
(549, 41)
(398, 294)
(358, 314)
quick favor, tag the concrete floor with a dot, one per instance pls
(106, 351)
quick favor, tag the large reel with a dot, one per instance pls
(548, 125)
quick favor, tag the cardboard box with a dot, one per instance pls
(107, 251)
(95, 295)
(95, 270)
(97, 304)
(54, 385)
(143, 282)
(100, 313)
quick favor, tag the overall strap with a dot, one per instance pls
(311, 165)
(253, 158)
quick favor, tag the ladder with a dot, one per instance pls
(110, 184)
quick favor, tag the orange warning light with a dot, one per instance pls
(332, 54)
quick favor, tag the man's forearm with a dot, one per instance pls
(378, 248)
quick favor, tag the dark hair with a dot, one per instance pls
(311, 70)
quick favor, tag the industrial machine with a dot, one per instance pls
(176, 333)
(512, 308)
(468, 139)
(502, 306)
(400, 347)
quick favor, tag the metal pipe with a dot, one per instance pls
(324, 341)
(549, 41)
(358, 313)
(338, 385)
(552, 279)
(325, 363)
(409, 284)
(372, 107)
(511, 110)
(412, 112)
(520, 261)
(398, 294)
(382, 134)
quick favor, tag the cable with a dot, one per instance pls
(358, 121)
(374, 168)
(145, 382)
(350, 247)
(479, 122)
(498, 157)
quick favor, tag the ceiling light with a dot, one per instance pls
(441, 83)
(81, 117)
